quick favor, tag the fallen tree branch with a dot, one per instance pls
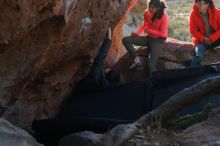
(181, 100)
(122, 133)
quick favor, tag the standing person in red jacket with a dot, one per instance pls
(205, 28)
(155, 28)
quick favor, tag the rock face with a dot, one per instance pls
(206, 133)
(11, 136)
(117, 50)
(45, 47)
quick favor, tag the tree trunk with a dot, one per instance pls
(181, 100)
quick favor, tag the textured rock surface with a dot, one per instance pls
(206, 133)
(14, 136)
(117, 50)
(45, 47)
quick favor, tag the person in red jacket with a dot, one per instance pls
(204, 28)
(155, 28)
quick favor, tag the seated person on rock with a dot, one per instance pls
(204, 28)
(156, 30)
(97, 77)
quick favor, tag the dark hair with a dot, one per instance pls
(158, 4)
(210, 2)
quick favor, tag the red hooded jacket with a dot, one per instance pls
(197, 26)
(157, 28)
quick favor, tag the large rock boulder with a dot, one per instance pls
(45, 48)
(206, 133)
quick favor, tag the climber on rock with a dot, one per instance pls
(155, 28)
(97, 77)
(204, 28)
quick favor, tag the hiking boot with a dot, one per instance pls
(136, 63)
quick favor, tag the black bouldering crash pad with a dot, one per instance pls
(120, 104)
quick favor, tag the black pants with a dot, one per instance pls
(96, 77)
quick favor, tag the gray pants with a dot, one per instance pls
(155, 45)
